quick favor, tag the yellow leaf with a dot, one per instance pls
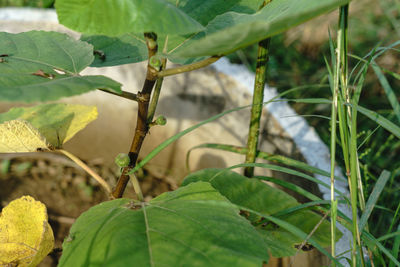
(25, 234)
(46, 126)
(20, 136)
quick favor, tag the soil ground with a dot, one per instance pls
(64, 188)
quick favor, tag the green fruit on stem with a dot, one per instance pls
(161, 120)
(122, 160)
(155, 62)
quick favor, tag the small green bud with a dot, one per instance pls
(161, 120)
(155, 62)
(122, 160)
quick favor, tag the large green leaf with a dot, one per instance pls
(260, 197)
(43, 66)
(231, 31)
(45, 126)
(113, 18)
(131, 47)
(192, 226)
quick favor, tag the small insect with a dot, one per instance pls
(4, 55)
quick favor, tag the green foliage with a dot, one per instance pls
(232, 31)
(31, 3)
(258, 196)
(223, 34)
(114, 18)
(193, 225)
(43, 66)
(131, 47)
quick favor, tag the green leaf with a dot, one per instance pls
(206, 10)
(45, 126)
(388, 90)
(114, 18)
(247, 6)
(43, 66)
(258, 196)
(231, 31)
(382, 121)
(192, 226)
(127, 48)
(131, 47)
(373, 198)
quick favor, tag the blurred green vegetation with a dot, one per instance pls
(301, 62)
(30, 3)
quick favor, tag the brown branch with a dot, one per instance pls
(124, 94)
(142, 127)
(189, 67)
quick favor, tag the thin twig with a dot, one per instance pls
(189, 67)
(124, 94)
(74, 158)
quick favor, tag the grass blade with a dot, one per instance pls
(373, 198)
(394, 234)
(262, 155)
(382, 121)
(294, 230)
(388, 90)
(172, 139)
(291, 186)
(396, 247)
(370, 239)
(302, 206)
(288, 171)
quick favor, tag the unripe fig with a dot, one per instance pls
(155, 62)
(161, 120)
(122, 160)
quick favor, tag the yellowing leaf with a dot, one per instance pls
(25, 234)
(45, 126)
(20, 136)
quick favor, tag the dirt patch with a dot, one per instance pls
(65, 188)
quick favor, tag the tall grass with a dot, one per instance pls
(346, 92)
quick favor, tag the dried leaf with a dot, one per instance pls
(20, 136)
(25, 234)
